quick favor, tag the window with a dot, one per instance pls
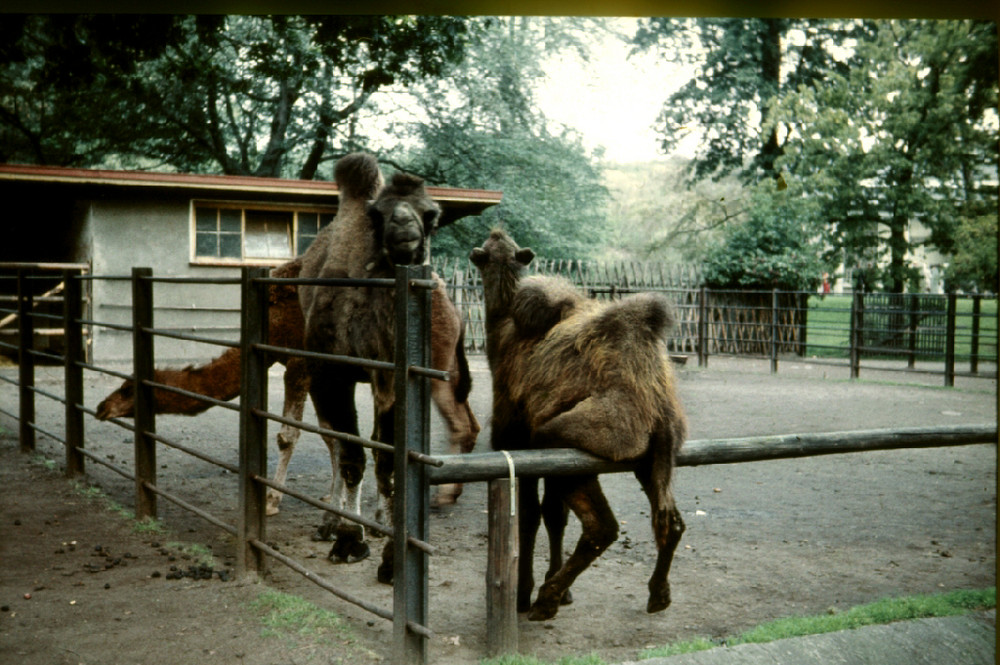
(238, 234)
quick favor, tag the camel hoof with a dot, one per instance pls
(385, 569)
(350, 546)
(542, 611)
(567, 598)
(658, 601)
(323, 533)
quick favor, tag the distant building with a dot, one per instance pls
(178, 225)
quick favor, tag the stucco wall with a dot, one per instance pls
(155, 234)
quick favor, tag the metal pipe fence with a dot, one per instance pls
(411, 449)
(948, 335)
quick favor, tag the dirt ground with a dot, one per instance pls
(78, 583)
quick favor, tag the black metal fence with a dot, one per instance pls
(410, 369)
(950, 335)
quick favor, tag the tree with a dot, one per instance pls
(908, 134)
(973, 265)
(247, 95)
(745, 64)
(483, 130)
(777, 247)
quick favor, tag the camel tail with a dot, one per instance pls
(464, 385)
(358, 176)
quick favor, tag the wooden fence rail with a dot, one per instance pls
(501, 470)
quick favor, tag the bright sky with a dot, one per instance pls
(613, 100)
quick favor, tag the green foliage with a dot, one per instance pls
(744, 64)
(775, 248)
(485, 131)
(880, 612)
(248, 95)
(904, 136)
(973, 264)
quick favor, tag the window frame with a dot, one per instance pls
(243, 207)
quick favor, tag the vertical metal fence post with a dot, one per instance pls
(974, 342)
(253, 428)
(774, 331)
(145, 413)
(949, 351)
(857, 321)
(73, 355)
(26, 363)
(411, 495)
(911, 358)
(703, 327)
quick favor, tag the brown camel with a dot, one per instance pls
(569, 372)
(220, 379)
(377, 227)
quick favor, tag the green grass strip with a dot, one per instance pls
(879, 612)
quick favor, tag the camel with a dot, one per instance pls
(378, 226)
(570, 372)
(220, 379)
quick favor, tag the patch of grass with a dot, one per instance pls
(880, 612)
(316, 634)
(285, 614)
(147, 525)
(199, 554)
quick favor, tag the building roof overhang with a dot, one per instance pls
(455, 202)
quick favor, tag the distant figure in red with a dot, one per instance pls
(826, 284)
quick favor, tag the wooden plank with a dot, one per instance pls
(487, 466)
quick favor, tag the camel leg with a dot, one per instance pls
(463, 429)
(296, 389)
(384, 469)
(554, 515)
(529, 518)
(668, 526)
(595, 425)
(584, 497)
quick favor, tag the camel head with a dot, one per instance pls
(500, 251)
(404, 218)
(119, 404)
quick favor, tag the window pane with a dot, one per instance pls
(231, 220)
(206, 244)
(268, 234)
(325, 218)
(229, 245)
(307, 227)
(205, 219)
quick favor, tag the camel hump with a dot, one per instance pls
(642, 314)
(358, 176)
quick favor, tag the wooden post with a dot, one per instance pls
(411, 495)
(145, 412)
(26, 364)
(949, 351)
(703, 327)
(974, 342)
(250, 561)
(73, 354)
(774, 331)
(501, 569)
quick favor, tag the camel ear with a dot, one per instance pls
(524, 255)
(374, 213)
(479, 257)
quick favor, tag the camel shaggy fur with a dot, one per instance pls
(220, 379)
(569, 372)
(376, 228)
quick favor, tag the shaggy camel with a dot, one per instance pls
(569, 372)
(367, 239)
(220, 379)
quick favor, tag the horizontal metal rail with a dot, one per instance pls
(190, 338)
(564, 461)
(320, 581)
(104, 324)
(121, 471)
(232, 468)
(193, 395)
(314, 355)
(104, 370)
(173, 498)
(344, 436)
